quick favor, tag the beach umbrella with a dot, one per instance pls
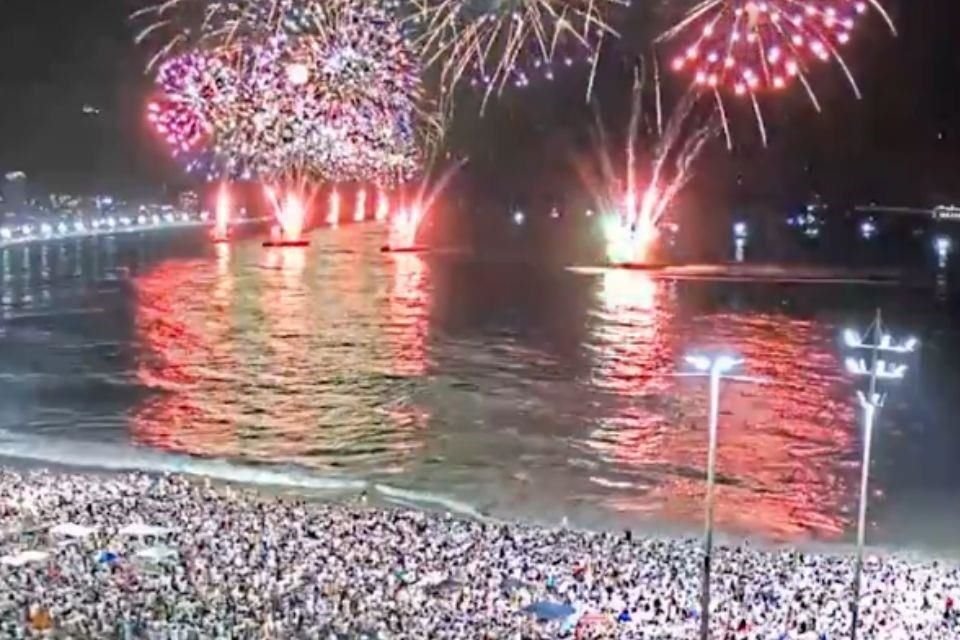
(107, 557)
(588, 624)
(71, 530)
(547, 611)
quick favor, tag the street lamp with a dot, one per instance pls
(714, 368)
(877, 342)
(740, 235)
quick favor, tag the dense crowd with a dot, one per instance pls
(141, 556)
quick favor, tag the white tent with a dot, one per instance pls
(71, 530)
(24, 557)
(139, 530)
(157, 553)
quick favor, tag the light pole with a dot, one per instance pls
(870, 402)
(714, 368)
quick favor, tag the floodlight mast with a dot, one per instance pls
(870, 403)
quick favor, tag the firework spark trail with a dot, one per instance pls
(292, 200)
(407, 220)
(459, 38)
(222, 213)
(634, 214)
(333, 208)
(683, 169)
(632, 131)
(176, 25)
(383, 207)
(360, 205)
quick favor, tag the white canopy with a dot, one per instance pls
(71, 530)
(24, 557)
(139, 529)
(157, 553)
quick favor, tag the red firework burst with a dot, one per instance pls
(753, 47)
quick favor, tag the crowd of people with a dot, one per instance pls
(150, 556)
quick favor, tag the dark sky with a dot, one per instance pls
(900, 143)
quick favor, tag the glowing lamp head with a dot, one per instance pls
(723, 364)
(718, 365)
(700, 363)
(851, 338)
(943, 245)
(298, 74)
(856, 366)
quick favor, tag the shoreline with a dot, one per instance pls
(374, 496)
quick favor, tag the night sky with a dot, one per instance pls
(901, 143)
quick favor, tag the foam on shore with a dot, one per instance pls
(117, 457)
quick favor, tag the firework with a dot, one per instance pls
(291, 205)
(360, 205)
(339, 100)
(404, 226)
(752, 47)
(383, 207)
(634, 204)
(171, 27)
(407, 220)
(221, 228)
(492, 41)
(333, 209)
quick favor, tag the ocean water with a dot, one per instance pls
(498, 387)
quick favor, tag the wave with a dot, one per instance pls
(112, 456)
(119, 457)
(422, 498)
(54, 313)
(612, 484)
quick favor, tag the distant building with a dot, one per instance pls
(14, 190)
(947, 212)
(189, 202)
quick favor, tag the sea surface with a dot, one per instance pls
(503, 387)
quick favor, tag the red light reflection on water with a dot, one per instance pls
(281, 355)
(409, 311)
(178, 335)
(783, 447)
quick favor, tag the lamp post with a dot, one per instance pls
(714, 369)
(870, 402)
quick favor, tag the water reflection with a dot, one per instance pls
(782, 448)
(282, 355)
(409, 306)
(523, 391)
